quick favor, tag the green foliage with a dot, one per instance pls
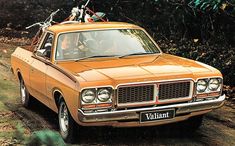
(225, 6)
(38, 138)
(206, 5)
(19, 135)
(46, 138)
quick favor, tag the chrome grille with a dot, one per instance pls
(135, 94)
(174, 90)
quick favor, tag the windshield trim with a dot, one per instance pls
(77, 31)
(114, 57)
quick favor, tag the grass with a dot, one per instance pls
(3, 108)
(8, 87)
(9, 93)
(12, 129)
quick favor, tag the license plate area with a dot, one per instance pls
(151, 116)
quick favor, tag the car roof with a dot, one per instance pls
(60, 28)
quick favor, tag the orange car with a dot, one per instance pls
(113, 74)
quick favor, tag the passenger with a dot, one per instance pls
(67, 47)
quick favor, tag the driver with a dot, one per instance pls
(68, 46)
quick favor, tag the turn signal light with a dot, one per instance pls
(205, 95)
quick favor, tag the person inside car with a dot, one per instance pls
(69, 47)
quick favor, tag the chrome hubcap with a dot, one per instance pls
(23, 93)
(64, 118)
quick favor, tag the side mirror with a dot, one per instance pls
(45, 51)
(40, 52)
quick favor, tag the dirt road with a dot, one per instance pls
(218, 126)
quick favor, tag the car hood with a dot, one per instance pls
(136, 68)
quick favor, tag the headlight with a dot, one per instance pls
(104, 95)
(214, 84)
(88, 96)
(201, 85)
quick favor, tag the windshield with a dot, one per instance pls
(104, 43)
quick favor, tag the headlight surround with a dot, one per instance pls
(88, 96)
(214, 84)
(96, 97)
(201, 85)
(104, 95)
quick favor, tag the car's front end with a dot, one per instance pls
(150, 103)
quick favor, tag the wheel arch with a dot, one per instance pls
(19, 75)
(58, 95)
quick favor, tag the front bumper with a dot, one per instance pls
(130, 117)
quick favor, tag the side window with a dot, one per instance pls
(46, 47)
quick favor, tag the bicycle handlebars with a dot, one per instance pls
(46, 23)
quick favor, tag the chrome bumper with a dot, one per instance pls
(112, 117)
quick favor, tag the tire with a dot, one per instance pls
(24, 95)
(68, 127)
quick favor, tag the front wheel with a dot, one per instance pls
(24, 94)
(68, 127)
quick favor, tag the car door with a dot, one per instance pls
(39, 68)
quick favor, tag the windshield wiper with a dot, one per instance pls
(95, 56)
(138, 53)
